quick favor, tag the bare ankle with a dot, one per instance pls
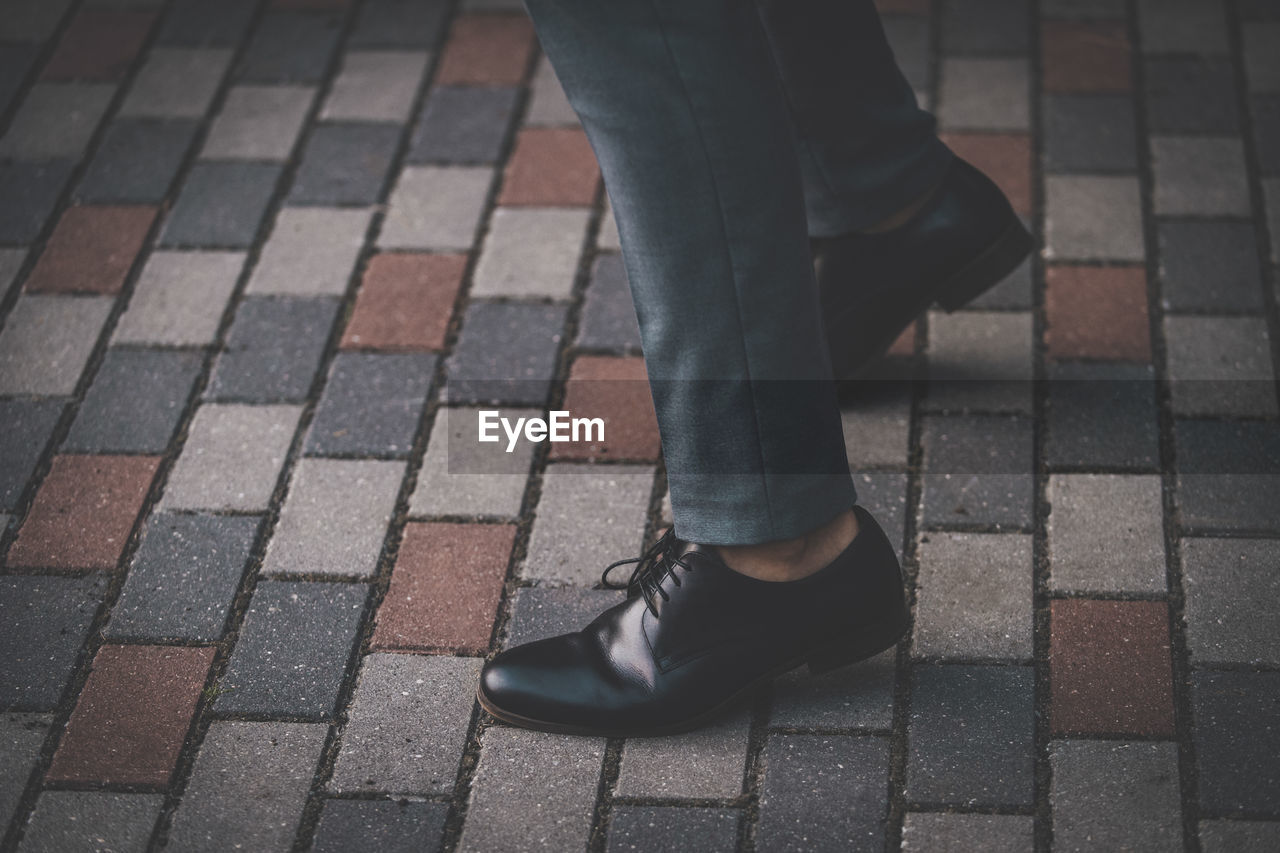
(792, 559)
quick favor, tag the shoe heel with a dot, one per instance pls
(988, 269)
(869, 641)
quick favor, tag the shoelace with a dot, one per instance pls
(651, 568)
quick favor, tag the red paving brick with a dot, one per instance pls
(92, 249)
(405, 302)
(905, 345)
(616, 390)
(1004, 157)
(1097, 313)
(99, 44)
(1085, 57)
(132, 716)
(486, 50)
(1109, 668)
(445, 587)
(83, 512)
(551, 166)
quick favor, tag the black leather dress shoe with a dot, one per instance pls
(964, 240)
(694, 637)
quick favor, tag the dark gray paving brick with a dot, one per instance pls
(293, 649)
(909, 38)
(26, 425)
(198, 23)
(43, 621)
(704, 764)
(1191, 95)
(15, 61)
(20, 738)
(462, 124)
(221, 205)
(1228, 474)
(290, 47)
(540, 612)
(884, 495)
(344, 163)
(670, 829)
(184, 576)
(28, 192)
(91, 820)
(1115, 795)
(398, 23)
(506, 353)
(1089, 133)
(971, 734)
(371, 404)
(824, 793)
(1102, 416)
(1231, 589)
(383, 825)
(1266, 132)
(1219, 366)
(608, 315)
(851, 697)
(273, 349)
(1239, 836)
(1209, 266)
(135, 401)
(1237, 739)
(932, 832)
(136, 161)
(1200, 176)
(977, 471)
(1013, 293)
(985, 26)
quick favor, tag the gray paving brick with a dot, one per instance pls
(436, 208)
(609, 501)
(1209, 266)
(1093, 218)
(1220, 365)
(91, 820)
(220, 205)
(981, 26)
(824, 793)
(1106, 533)
(375, 86)
(15, 61)
(506, 353)
(1102, 415)
(1182, 26)
(512, 805)
(931, 832)
(984, 94)
(977, 471)
(248, 787)
(461, 476)
(292, 650)
(970, 738)
(1266, 132)
(136, 161)
(531, 252)
(334, 517)
(548, 106)
(311, 250)
(371, 404)
(28, 192)
(1115, 795)
(43, 621)
(608, 315)
(46, 342)
(184, 576)
(27, 426)
(32, 20)
(290, 47)
(179, 298)
(386, 826)
(20, 738)
(1228, 475)
(909, 38)
(176, 82)
(1237, 741)
(273, 349)
(1239, 836)
(540, 612)
(1013, 292)
(1191, 95)
(980, 361)
(398, 23)
(876, 424)
(1199, 176)
(55, 120)
(607, 239)
(407, 724)
(232, 457)
(462, 124)
(10, 263)
(1231, 587)
(196, 23)
(672, 829)
(884, 495)
(345, 163)
(851, 697)
(135, 402)
(1262, 71)
(706, 763)
(1089, 133)
(258, 123)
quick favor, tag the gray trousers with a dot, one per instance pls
(728, 132)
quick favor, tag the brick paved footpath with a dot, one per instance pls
(247, 586)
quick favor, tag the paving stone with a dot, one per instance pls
(405, 302)
(248, 787)
(176, 82)
(981, 26)
(1182, 26)
(398, 23)
(824, 793)
(910, 40)
(1084, 57)
(1271, 189)
(1237, 741)
(548, 105)
(132, 716)
(1228, 475)
(1109, 668)
(11, 261)
(55, 120)
(435, 207)
(371, 404)
(931, 832)
(608, 315)
(980, 361)
(273, 349)
(707, 763)
(1097, 313)
(1261, 69)
(977, 471)
(1115, 795)
(16, 60)
(974, 597)
(609, 502)
(506, 353)
(541, 612)
(1227, 608)
(27, 425)
(884, 495)
(98, 44)
(179, 298)
(135, 402)
(671, 829)
(292, 651)
(1220, 365)
(195, 23)
(290, 47)
(32, 20)
(45, 619)
(91, 820)
(1102, 415)
(91, 250)
(258, 123)
(311, 251)
(460, 476)
(984, 94)
(1266, 132)
(375, 86)
(183, 577)
(486, 50)
(463, 124)
(221, 205)
(1093, 218)
(1106, 533)
(345, 163)
(515, 806)
(28, 193)
(851, 697)
(1199, 176)
(407, 725)
(1239, 836)
(21, 736)
(1089, 133)
(136, 161)
(46, 341)
(876, 424)
(614, 390)
(607, 239)
(1191, 95)
(232, 457)
(1003, 157)
(971, 735)
(550, 167)
(1209, 266)
(531, 252)
(399, 826)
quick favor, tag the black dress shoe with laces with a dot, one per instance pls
(963, 241)
(693, 638)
